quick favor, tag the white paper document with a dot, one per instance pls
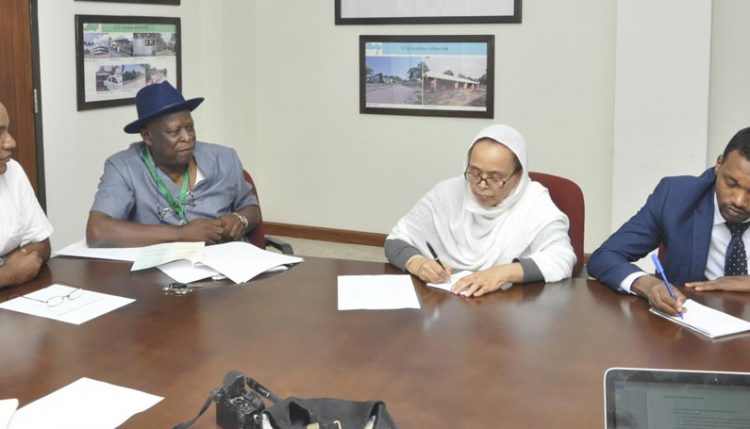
(84, 404)
(159, 254)
(241, 261)
(377, 292)
(82, 250)
(75, 305)
(184, 271)
(7, 409)
(706, 320)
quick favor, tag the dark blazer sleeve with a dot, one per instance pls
(612, 261)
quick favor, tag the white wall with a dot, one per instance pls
(730, 86)
(237, 37)
(661, 96)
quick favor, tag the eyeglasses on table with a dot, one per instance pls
(59, 299)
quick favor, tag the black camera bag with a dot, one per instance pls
(237, 408)
(328, 413)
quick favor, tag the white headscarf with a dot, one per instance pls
(514, 141)
(469, 236)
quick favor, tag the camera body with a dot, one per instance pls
(236, 408)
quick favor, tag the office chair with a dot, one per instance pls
(257, 236)
(568, 197)
(662, 253)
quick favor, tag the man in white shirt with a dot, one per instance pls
(24, 229)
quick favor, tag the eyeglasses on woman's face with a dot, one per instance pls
(494, 180)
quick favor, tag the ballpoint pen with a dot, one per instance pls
(434, 255)
(663, 275)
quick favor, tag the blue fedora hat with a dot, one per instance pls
(159, 99)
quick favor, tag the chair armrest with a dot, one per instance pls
(279, 245)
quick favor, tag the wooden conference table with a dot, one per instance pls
(531, 357)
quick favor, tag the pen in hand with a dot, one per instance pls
(434, 255)
(663, 275)
(447, 277)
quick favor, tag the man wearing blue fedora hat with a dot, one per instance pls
(169, 186)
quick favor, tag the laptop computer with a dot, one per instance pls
(646, 398)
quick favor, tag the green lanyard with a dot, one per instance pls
(178, 208)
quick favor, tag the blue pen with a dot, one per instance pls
(659, 268)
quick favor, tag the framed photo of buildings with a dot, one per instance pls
(174, 2)
(427, 75)
(118, 55)
(353, 12)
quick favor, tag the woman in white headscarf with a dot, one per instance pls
(493, 221)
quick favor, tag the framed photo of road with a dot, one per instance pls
(427, 75)
(118, 55)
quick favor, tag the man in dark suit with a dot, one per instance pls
(700, 221)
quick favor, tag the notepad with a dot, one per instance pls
(706, 320)
(455, 277)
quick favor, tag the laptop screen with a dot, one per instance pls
(666, 399)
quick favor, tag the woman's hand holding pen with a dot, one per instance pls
(428, 270)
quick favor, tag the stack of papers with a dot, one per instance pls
(241, 261)
(190, 262)
(82, 250)
(179, 260)
(85, 403)
(706, 320)
(159, 254)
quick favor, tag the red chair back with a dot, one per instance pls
(662, 254)
(256, 236)
(568, 197)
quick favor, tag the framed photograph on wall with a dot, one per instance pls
(353, 12)
(427, 75)
(175, 2)
(118, 55)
